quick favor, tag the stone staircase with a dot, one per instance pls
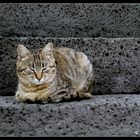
(104, 115)
(108, 34)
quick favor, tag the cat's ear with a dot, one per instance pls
(48, 50)
(22, 51)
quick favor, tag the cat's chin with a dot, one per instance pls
(37, 82)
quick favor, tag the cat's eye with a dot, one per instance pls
(46, 70)
(51, 66)
(32, 69)
(29, 71)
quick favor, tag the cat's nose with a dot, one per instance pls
(38, 79)
(38, 76)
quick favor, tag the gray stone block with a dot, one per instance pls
(115, 61)
(105, 115)
(70, 19)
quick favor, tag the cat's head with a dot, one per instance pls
(36, 68)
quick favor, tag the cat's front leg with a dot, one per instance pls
(24, 97)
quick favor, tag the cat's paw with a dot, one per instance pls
(84, 94)
(18, 97)
(88, 95)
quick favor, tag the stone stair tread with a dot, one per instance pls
(103, 115)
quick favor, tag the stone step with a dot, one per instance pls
(103, 115)
(70, 19)
(115, 61)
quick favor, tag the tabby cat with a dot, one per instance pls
(52, 74)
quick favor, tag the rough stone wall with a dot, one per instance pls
(70, 19)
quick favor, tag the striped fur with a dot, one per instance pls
(53, 74)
